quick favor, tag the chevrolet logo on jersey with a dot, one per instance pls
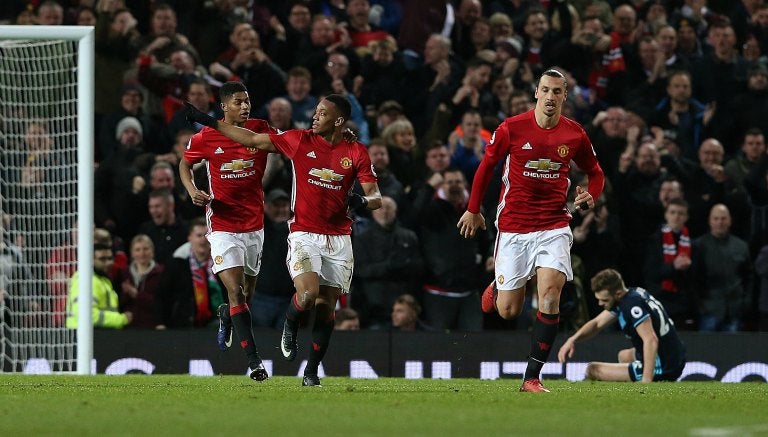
(326, 175)
(543, 165)
(237, 165)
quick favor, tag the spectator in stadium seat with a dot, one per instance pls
(326, 38)
(200, 95)
(406, 315)
(433, 82)
(165, 229)
(105, 312)
(361, 31)
(722, 271)
(49, 13)
(293, 34)
(707, 184)
(251, 65)
(644, 320)
(388, 183)
(387, 263)
(455, 266)
(34, 174)
(383, 72)
(403, 150)
(191, 293)
(131, 101)
(437, 160)
(636, 189)
(667, 266)
(274, 288)
(297, 87)
(162, 38)
(140, 284)
(115, 38)
(467, 144)
(168, 82)
(347, 320)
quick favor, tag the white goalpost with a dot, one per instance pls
(46, 196)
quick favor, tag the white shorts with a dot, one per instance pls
(330, 256)
(518, 255)
(229, 249)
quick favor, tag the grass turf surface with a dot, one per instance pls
(222, 405)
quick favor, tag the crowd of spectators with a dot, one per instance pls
(672, 93)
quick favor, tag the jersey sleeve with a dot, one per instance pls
(363, 165)
(494, 152)
(195, 151)
(287, 142)
(261, 126)
(586, 159)
(637, 311)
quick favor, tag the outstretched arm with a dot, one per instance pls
(589, 330)
(244, 136)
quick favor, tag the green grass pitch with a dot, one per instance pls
(170, 405)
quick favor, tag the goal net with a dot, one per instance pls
(40, 138)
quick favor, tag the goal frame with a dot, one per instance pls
(84, 35)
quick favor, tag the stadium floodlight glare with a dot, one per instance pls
(47, 78)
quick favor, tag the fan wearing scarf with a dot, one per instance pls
(667, 266)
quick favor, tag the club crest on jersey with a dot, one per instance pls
(562, 150)
(252, 150)
(346, 162)
(326, 175)
(219, 259)
(237, 165)
(500, 279)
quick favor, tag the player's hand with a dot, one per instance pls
(199, 198)
(583, 199)
(349, 135)
(566, 351)
(469, 223)
(356, 201)
(194, 115)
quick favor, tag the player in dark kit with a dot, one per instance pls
(234, 214)
(644, 320)
(534, 237)
(320, 259)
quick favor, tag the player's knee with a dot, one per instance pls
(593, 372)
(512, 311)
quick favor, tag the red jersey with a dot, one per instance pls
(234, 175)
(323, 176)
(535, 178)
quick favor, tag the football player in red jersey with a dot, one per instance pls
(320, 259)
(234, 212)
(534, 238)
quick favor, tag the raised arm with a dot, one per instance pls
(589, 330)
(246, 137)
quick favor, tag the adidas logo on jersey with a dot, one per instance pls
(527, 146)
(312, 154)
(218, 151)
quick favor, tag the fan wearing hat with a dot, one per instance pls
(131, 105)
